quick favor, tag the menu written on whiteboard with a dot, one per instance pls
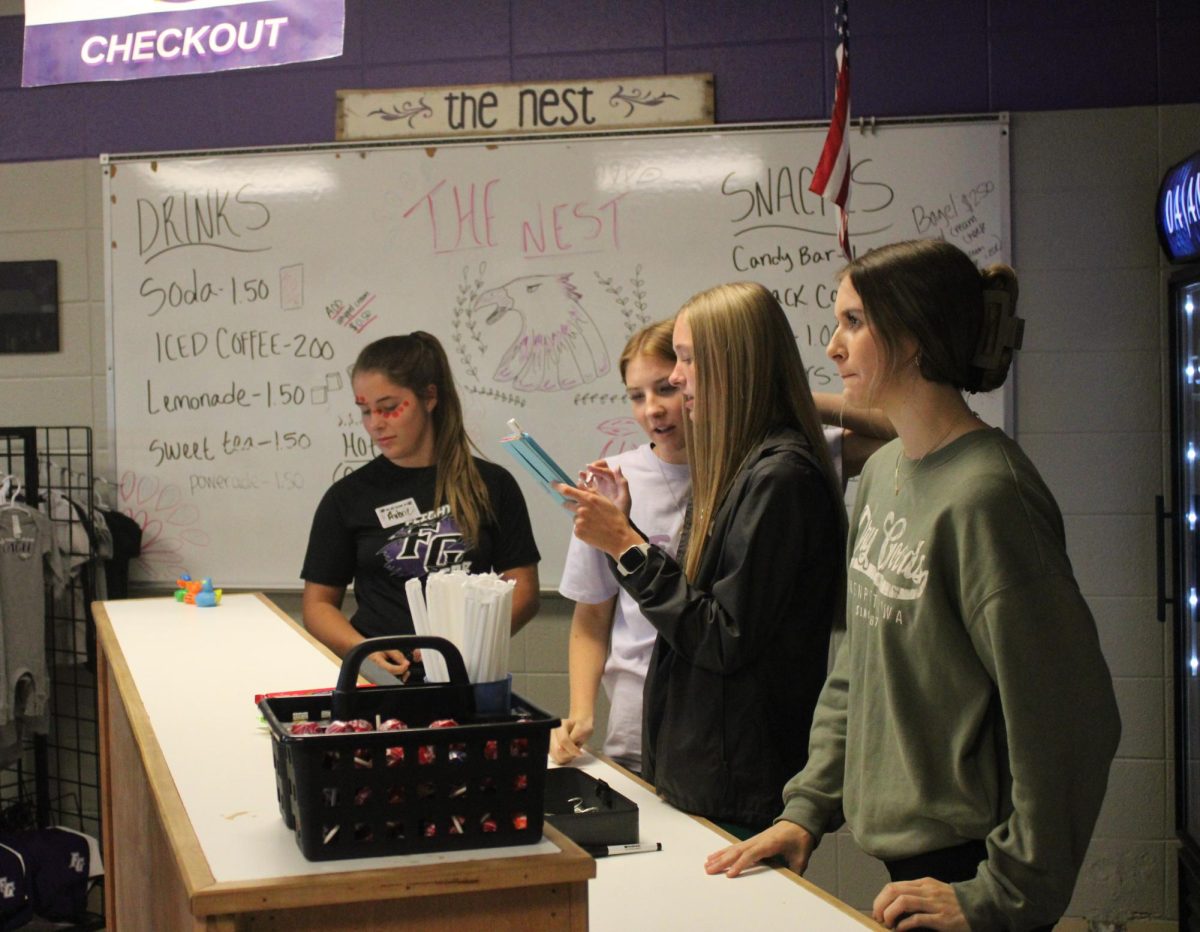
(242, 287)
(231, 221)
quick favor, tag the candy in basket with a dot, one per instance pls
(407, 769)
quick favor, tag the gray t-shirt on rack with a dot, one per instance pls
(27, 551)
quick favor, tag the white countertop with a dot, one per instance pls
(655, 890)
(197, 671)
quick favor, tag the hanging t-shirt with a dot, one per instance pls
(659, 493)
(26, 540)
(378, 528)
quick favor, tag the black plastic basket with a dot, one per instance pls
(477, 784)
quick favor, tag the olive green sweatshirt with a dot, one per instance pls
(969, 698)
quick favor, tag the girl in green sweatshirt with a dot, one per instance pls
(966, 730)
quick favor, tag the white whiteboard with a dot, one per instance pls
(241, 285)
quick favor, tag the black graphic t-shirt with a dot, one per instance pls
(377, 528)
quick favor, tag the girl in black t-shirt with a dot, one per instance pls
(424, 504)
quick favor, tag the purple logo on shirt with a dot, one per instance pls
(433, 542)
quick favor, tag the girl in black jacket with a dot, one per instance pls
(744, 623)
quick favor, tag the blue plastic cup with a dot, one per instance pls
(494, 698)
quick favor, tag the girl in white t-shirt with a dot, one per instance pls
(611, 641)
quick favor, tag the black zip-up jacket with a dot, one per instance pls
(742, 654)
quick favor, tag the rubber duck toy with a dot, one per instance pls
(197, 592)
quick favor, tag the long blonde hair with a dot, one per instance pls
(750, 380)
(418, 362)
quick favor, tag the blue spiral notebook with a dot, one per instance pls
(537, 462)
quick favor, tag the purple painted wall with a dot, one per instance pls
(772, 60)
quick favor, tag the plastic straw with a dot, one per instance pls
(474, 618)
(474, 612)
(435, 666)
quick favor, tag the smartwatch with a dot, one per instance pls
(633, 559)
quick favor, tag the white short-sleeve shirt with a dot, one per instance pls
(659, 493)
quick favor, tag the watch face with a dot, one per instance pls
(632, 559)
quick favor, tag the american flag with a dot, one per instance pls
(831, 179)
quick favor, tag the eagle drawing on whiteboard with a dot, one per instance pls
(558, 346)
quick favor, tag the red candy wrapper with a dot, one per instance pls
(395, 754)
(357, 725)
(444, 723)
(306, 728)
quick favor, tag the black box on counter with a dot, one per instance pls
(587, 810)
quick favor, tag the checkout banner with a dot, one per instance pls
(67, 43)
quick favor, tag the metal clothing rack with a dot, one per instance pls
(56, 780)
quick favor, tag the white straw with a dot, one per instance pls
(503, 630)
(474, 612)
(473, 620)
(435, 667)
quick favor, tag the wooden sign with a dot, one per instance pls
(495, 109)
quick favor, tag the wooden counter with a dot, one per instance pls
(193, 838)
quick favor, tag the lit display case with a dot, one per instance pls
(1178, 219)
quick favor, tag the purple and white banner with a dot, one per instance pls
(67, 42)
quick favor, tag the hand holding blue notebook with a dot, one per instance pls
(539, 464)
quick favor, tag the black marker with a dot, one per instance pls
(608, 851)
